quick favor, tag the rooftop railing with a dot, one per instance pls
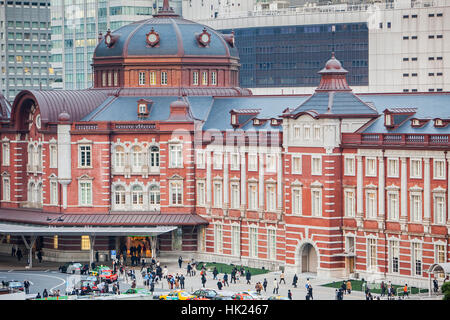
(389, 139)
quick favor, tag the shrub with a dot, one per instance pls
(446, 295)
(445, 287)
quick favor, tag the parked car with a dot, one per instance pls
(85, 284)
(278, 298)
(209, 294)
(176, 295)
(96, 270)
(242, 296)
(254, 294)
(107, 275)
(137, 291)
(71, 267)
(14, 285)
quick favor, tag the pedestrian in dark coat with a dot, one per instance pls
(45, 294)
(219, 285)
(39, 255)
(215, 273)
(19, 254)
(225, 280)
(289, 294)
(203, 280)
(294, 281)
(310, 292)
(265, 284)
(248, 276)
(182, 281)
(96, 256)
(180, 261)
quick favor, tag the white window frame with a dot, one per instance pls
(316, 171)
(252, 196)
(6, 154)
(154, 196)
(53, 153)
(137, 196)
(371, 171)
(271, 197)
(204, 78)
(439, 249)
(164, 78)
(316, 207)
(218, 194)
(371, 208)
(53, 192)
(235, 196)
(415, 166)
(271, 163)
(416, 204)
(154, 158)
(395, 173)
(119, 195)
(200, 159)
(349, 203)
(253, 165)
(6, 189)
(349, 166)
(217, 160)
(235, 163)
(176, 155)
(272, 244)
(152, 77)
(296, 132)
(372, 256)
(214, 78)
(441, 196)
(317, 133)
(306, 132)
(296, 200)
(201, 193)
(235, 240)
(218, 238)
(195, 78)
(85, 198)
(393, 210)
(86, 152)
(296, 166)
(394, 252)
(416, 256)
(176, 188)
(253, 242)
(443, 175)
(119, 157)
(141, 78)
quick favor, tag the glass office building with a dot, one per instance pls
(291, 56)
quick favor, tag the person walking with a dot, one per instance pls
(289, 294)
(349, 287)
(19, 254)
(215, 273)
(282, 277)
(310, 292)
(435, 286)
(45, 294)
(383, 288)
(344, 287)
(165, 272)
(26, 285)
(189, 269)
(405, 291)
(294, 281)
(275, 286)
(203, 279)
(265, 285)
(182, 281)
(13, 250)
(219, 285)
(248, 276)
(233, 275)
(225, 280)
(180, 261)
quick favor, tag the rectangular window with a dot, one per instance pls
(235, 161)
(253, 242)
(176, 193)
(200, 159)
(53, 192)
(371, 253)
(252, 162)
(371, 204)
(392, 205)
(218, 195)
(5, 154)
(85, 193)
(317, 133)
(164, 78)
(271, 198)
(53, 156)
(252, 197)
(271, 244)
(394, 256)
(217, 160)
(271, 163)
(195, 78)
(235, 241)
(349, 196)
(416, 168)
(371, 167)
(201, 193)
(296, 164)
(84, 155)
(316, 165)
(296, 132)
(392, 168)
(439, 169)
(349, 166)
(141, 78)
(85, 243)
(439, 208)
(213, 78)
(152, 78)
(440, 256)
(176, 156)
(204, 78)
(306, 132)
(218, 238)
(316, 203)
(416, 207)
(297, 201)
(417, 259)
(6, 189)
(235, 196)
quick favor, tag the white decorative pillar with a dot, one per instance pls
(261, 197)
(426, 191)
(64, 158)
(243, 181)
(208, 179)
(381, 193)
(359, 187)
(280, 181)
(403, 195)
(448, 195)
(225, 182)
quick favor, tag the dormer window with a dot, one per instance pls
(256, 122)
(275, 122)
(438, 123)
(388, 120)
(143, 108)
(234, 119)
(416, 122)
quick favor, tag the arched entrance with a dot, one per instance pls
(309, 261)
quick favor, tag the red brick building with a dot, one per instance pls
(331, 183)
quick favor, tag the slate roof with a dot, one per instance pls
(428, 105)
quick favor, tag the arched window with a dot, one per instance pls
(119, 195)
(30, 156)
(39, 199)
(31, 193)
(137, 156)
(154, 157)
(137, 195)
(119, 157)
(38, 161)
(154, 195)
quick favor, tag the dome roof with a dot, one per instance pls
(177, 38)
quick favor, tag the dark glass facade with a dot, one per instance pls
(291, 56)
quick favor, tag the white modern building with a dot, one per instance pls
(407, 46)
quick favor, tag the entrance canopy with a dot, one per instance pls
(438, 268)
(22, 230)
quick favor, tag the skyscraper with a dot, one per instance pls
(76, 25)
(24, 46)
